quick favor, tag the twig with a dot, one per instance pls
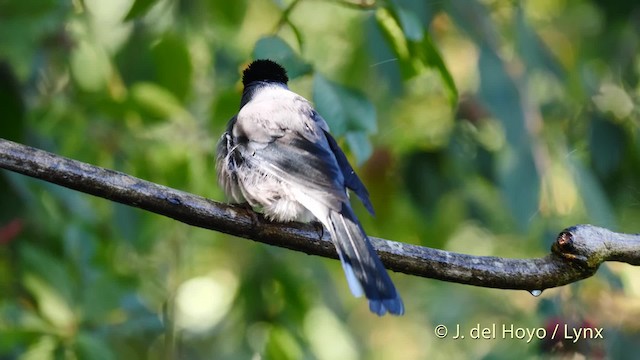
(576, 254)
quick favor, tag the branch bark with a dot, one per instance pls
(576, 254)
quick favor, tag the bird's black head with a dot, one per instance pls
(264, 70)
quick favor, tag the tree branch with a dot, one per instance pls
(576, 254)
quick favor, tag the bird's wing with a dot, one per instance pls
(351, 179)
(298, 155)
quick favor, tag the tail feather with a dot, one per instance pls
(362, 266)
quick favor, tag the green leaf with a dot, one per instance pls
(500, 93)
(474, 18)
(595, 199)
(413, 46)
(47, 268)
(392, 32)
(343, 108)
(276, 49)
(139, 8)
(532, 49)
(434, 59)
(519, 182)
(51, 303)
(90, 67)
(328, 103)
(42, 349)
(101, 297)
(607, 141)
(359, 145)
(410, 24)
(361, 114)
(157, 100)
(173, 65)
(282, 345)
(228, 12)
(90, 347)
(11, 103)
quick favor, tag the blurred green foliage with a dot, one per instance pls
(480, 126)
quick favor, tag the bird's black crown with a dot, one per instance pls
(264, 70)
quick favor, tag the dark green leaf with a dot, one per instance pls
(329, 105)
(595, 200)
(499, 92)
(276, 49)
(532, 49)
(91, 347)
(360, 145)
(434, 59)
(344, 109)
(11, 103)
(413, 47)
(48, 268)
(173, 65)
(228, 12)
(139, 8)
(101, 297)
(410, 23)
(426, 179)
(519, 182)
(474, 18)
(607, 142)
(395, 38)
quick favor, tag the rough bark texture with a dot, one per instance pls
(577, 253)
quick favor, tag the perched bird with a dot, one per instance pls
(278, 156)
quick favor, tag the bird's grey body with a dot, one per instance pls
(278, 156)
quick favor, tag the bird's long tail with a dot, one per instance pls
(362, 266)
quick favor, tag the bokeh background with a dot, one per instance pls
(479, 126)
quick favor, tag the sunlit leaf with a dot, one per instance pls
(434, 59)
(410, 23)
(157, 100)
(282, 345)
(90, 66)
(615, 100)
(51, 303)
(42, 349)
(396, 40)
(329, 337)
(413, 46)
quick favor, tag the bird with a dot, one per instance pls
(278, 156)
